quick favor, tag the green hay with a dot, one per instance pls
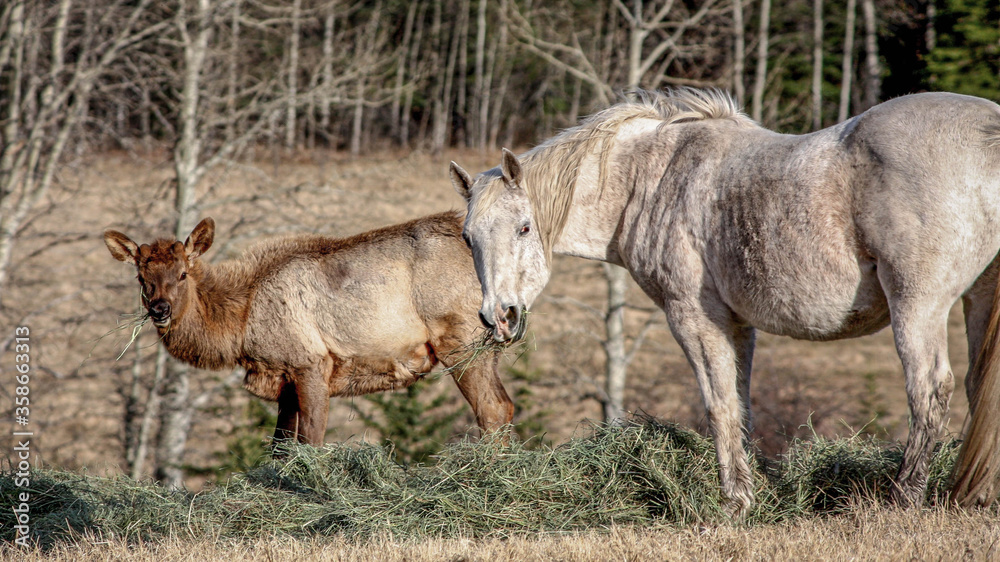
(646, 474)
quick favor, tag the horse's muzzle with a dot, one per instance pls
(509, 326)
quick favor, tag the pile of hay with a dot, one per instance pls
(646, 473)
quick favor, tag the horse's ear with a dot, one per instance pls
(461, 181)
(510, 166)
(201, 238)
(122, 247)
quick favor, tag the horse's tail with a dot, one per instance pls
(976, 476)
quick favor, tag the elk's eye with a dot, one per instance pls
(184, 275)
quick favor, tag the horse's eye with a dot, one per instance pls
(525, 229)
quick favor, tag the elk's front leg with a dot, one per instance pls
(288, 414)
(481, 386)
(314, 402)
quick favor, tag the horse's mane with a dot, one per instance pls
(550, 186)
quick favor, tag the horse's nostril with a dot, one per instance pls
(513, 316)
(484, 320)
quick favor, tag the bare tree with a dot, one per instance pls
(403, 57)
(848, 63)
(293, 75)
(739, 51)
(817, 60)
(873, 71)
(325, 102)
(43, 101)
(760, 73)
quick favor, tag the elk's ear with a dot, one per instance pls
(201, 238)
(122, 247)
(461, 181)
(510, 166)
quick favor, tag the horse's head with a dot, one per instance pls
(163, 269)
(508, 252)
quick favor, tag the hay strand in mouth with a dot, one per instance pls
(483, 344)
(133, 321)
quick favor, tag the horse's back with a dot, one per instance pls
(803, 222)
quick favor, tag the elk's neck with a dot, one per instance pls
(209, 331)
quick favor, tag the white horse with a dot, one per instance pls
(887, 218)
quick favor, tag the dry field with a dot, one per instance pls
(866, 533)
(71, 292)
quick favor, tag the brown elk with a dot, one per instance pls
(310, 317)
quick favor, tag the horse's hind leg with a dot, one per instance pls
(718, 350)
(920, 329)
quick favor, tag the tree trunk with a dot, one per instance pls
(616, 364)
(151, 411)
(175, 411)
(324, 104)
(847, 69)
(480, 101)
(404, 55)
(739, 51)
(404, 126)
(817, 77)
(760, 77)
(175, 423)
(461, 106)
(365, 43)
(930, 34)
(873, 71)
(234, 65)
(442, 104)
(293, 75)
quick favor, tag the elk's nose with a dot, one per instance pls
(159, 310)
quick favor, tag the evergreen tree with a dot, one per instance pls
(966, 57)
(411, 421)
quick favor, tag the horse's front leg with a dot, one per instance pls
(720, 352)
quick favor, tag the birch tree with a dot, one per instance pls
(847, 68)
(817, 70)
(873, 70)
(44, 99)
(760, 72)
(739, 51)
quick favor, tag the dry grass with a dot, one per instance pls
(645, 491)
(864, 532)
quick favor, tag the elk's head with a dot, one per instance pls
(163, 269)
